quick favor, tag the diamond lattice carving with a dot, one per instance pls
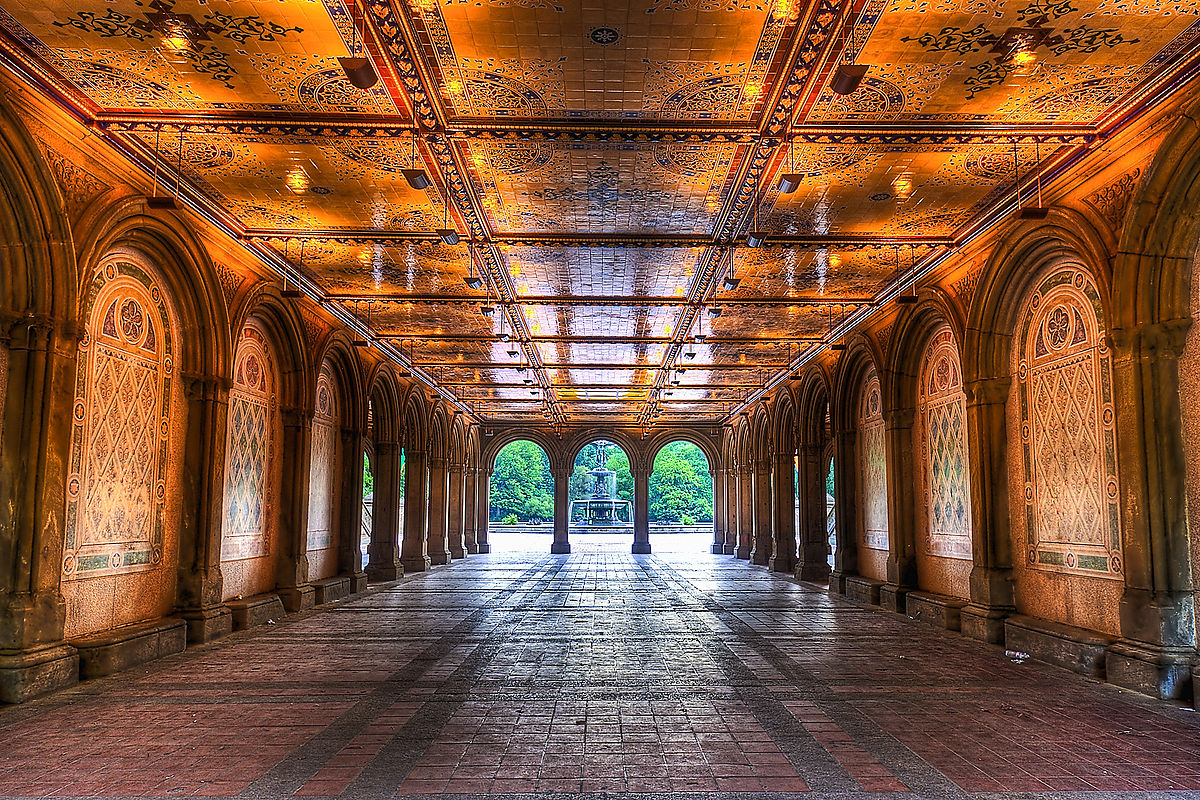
(944, 449)
(250, 453)
(323, 466)
(872, 465)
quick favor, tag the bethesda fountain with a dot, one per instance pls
(602, 507)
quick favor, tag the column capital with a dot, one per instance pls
(988, 391)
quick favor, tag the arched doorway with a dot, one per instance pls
(521, 497)
(681, 498)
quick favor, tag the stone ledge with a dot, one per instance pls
(107, 652)
(864, 590)
(331, 589)
(298, 598)
(26, 674)
(1076, 649)
(249, 612)
(1162, 672)
(939, 610)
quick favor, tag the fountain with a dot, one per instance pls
(602, 507)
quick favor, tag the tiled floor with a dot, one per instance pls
(597, 672)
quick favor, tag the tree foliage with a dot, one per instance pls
(521, 483)
(681, 485)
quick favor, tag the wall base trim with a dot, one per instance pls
(1076, 649)
(250, 612)
(939, 610)
(330, 589)
(864, 590)
(1162, 672)
(26, 674)
(107, 652)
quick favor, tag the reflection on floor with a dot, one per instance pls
(595, 672)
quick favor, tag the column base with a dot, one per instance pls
(759, 558)
(417, 564)
(560, 548)
(742, 552)
(641, 548)
(484, 547)
(718, 549)
(985, 623)
(1162, 672)
(457, 553)
(727, 549)
(892, 597)
(439, 557)
(358, 582)
(472, 548)
(777, 564)
(379, 573)
(298, 598)
(26, 674)
(207, 624)
(817, 573)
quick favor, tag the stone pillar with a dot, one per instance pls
(641, 511)
(439, 515)
(383, 553)
(456, 502)
(901, 483)
(34, 440)
(729, 509)
(783, 555)
(1157, 645)
(349, 541)
(470, 510)
(417, 497)
(483, 510)
(291, 561)
(745, 488)
(199, 584)
(845, 560)
(562, 516)
(813, 534)
(991, 597)
(718, 545)
(762, 544)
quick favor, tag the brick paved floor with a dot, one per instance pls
(598, 672)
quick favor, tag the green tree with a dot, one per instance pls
(521, 483)
(681, 485)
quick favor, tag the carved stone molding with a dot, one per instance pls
(1112, 201)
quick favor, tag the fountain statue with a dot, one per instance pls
(602, 507)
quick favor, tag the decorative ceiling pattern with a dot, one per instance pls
(603, 163)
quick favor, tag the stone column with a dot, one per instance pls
(718, 545)
(1157, 645)
(291, 561)
(813, 563)
(199, 584)
(470, 510)
(845, 478)
(729, 509)
(483, 493)
(902, 548)
(417, 496)
(783, 556)
(641, 511)
(456, 504)
(761, 552)
(991, 597)
(745, 487)
(438, 551)
(350, 508)
(562, 516)
(383, 553)
(34, 442)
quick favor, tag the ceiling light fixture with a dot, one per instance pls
(790, 181)
(448, 235)
(417, 178)
(293, 292)
(840, 344)
(358, 69)
(359, 339)
(166, 202)
(1030, 212)
(731, 281)
(472, 280)
(910, 297)
(756, 237)
(848, 75)
(713, 311)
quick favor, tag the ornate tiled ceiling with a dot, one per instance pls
(602, 163)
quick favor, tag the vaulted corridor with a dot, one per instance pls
(598, 671)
